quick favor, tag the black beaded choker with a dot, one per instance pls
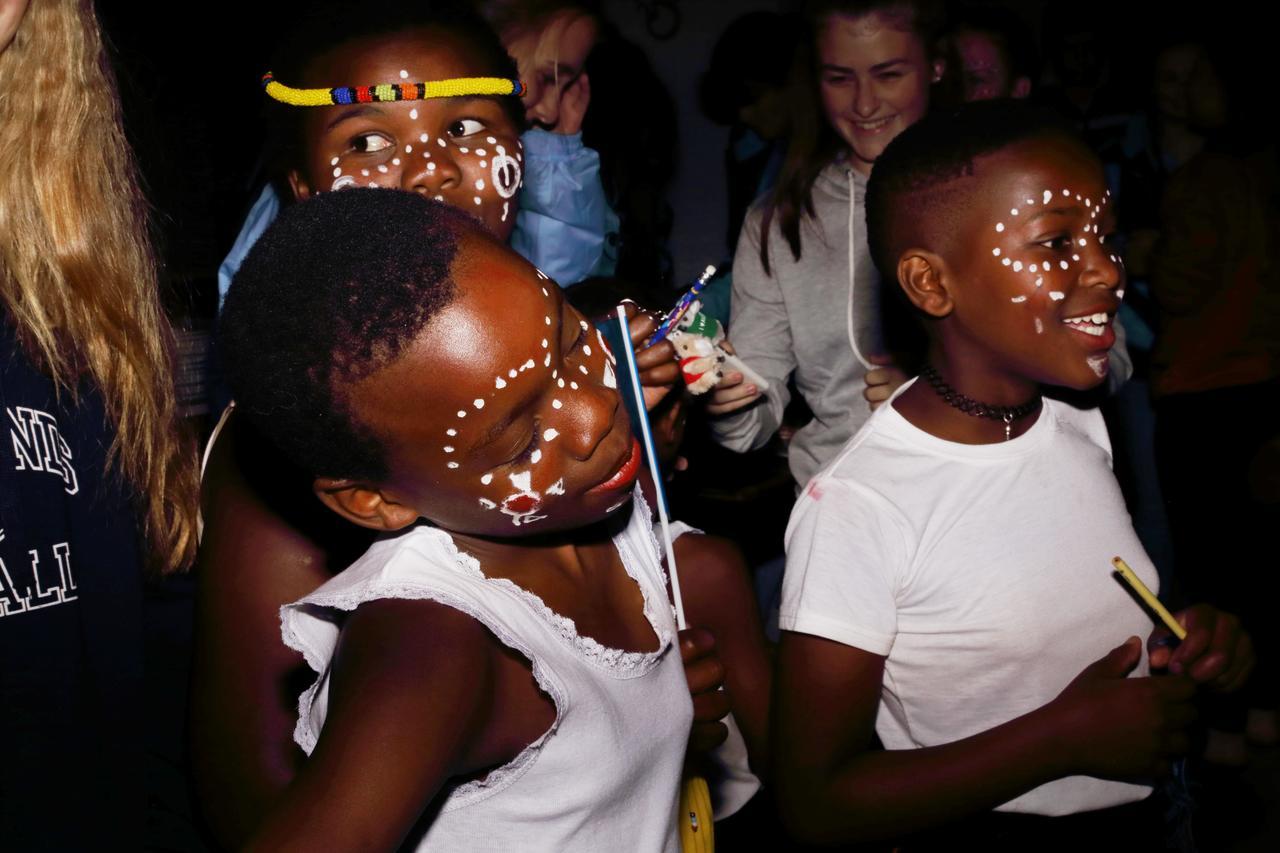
(956, 400)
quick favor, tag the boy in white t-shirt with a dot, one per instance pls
(948, 582)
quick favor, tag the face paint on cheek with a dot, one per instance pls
(505, 173)
(1039, 327)
(342, 182)
(610, 380)
(524, 503)
(1099, 364)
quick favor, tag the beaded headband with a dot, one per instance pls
(380, 92)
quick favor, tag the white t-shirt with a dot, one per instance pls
(981, 572)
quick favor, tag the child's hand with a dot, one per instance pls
(1216, 653)
(705, 674)
(882, 380)
(573, 106)
(731, 393)
(1114, 726)
(659, 370)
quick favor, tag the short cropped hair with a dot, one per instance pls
(334, 290)
(912, 195)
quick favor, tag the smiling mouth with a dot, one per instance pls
(626, 473)
(1096, 324)
(873, 125)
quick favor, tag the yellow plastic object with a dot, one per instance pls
(697, 829)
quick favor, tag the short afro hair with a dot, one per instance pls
(913, 196)
(334, 290)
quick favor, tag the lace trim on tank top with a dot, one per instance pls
(619, 662)
(467, 793)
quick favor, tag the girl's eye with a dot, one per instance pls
(525, 456)
(836, 79)
(370, 143)
(1057, 243)
(465, 127)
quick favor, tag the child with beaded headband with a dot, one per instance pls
(266, 541)
(948, 582)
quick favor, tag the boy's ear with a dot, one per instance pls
(297, 183)
(922, 276)
(363, 504)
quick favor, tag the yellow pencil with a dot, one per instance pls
(1126, 574)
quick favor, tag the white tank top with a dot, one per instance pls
(606, 775)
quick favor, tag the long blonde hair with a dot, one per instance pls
(546, 20)
(77, 273)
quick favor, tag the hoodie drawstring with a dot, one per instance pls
(853, 268)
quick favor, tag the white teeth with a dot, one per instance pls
(1090, 324)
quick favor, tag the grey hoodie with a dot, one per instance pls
(818, 317)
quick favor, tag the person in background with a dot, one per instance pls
(97, 481)
(994, 51)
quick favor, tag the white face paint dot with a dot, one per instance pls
(1039, 327)
(490, 140)
(487, 479)
(528, 365)
(1018, 299)
(1017, 266)
(479, 183)
(476, 199)
(574, 385)
(1013, 211)
(461, 413)
(337, 172)
(499, 383)
(480, 152)
(451, 431)
(556, 404)
(1039, 281)
(382, 168)
(423, 138)
(431, 167)
(535, 457)
(448, 449)
(1031, 201)
(408, 149)
(560, 383)
(1062, 264)
(478, 403)
(395, 161)
(440, 141)
(1047, 197)
(586, 349)
(544, 343)
(996, 251)
(404, 75)
(1075, 257)
(464, 150)
(1057, 295)
(1088, 203)
(1006, 262)
(582, 368)
(453, 464)
(999, 227)
(511, 373)
(484, 164)
(364, 172)
(1081, 241)
(546, 362)
(333, 162)
(548, 319)
(1033, 268)
(550, 435)
(413, 113)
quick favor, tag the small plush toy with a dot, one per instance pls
(698, 340)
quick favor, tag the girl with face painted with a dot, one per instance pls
(96, 480)
(266, 541)
(805, 293)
